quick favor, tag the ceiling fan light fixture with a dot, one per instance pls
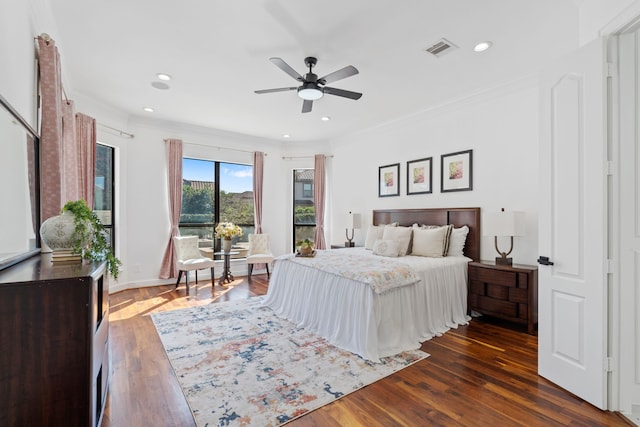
(310, 92)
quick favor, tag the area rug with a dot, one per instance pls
(239, 364)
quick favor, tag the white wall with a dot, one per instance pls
(501, 126)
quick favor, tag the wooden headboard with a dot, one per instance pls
(438, 216)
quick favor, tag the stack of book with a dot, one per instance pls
(65, 256)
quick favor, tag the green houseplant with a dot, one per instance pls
(306, 246)
(89, 237)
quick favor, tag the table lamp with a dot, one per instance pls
(351, 224)
(504, 224)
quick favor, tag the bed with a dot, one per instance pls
(372, 323)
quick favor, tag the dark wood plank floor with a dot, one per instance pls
(483, 374)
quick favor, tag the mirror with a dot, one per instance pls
(19, 188)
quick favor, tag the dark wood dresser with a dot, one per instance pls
(509, 292)
(54, 343)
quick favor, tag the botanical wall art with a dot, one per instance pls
(456, 170)
(420, 176)
(388, 180)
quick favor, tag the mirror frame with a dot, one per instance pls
(9, 261)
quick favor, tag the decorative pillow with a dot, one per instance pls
(457, 241)
(449, 228)
(400, 234)
(429, 242)
(373, 233)
(385, 248)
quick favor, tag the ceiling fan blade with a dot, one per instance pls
(343, 73)
(341, 92)
(306, 106)
(280, 89)
(286, 68)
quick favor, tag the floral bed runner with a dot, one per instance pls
(382, 274)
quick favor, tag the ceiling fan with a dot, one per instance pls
(313, 88)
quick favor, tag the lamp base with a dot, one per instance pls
(504, 261)
(349, 244)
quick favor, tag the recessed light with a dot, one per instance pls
(163, 76)
(286, 135)
(482, 46)
(148, 109)
(325, 118)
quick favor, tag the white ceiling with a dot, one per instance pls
(218, 54)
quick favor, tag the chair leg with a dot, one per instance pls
(179, 277)
(186, 274)
(250, 266)
(196, 277)
(267, 264)
(213, 279)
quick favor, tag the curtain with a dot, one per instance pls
(86, 150)
(318, 200)
(174, 181)
(51, 129)
(69, 152)
(258, 164)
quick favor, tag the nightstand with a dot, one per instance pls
(509, 292)
(342, 246)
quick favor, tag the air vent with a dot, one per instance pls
(441, 47)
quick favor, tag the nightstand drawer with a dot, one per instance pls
(487, 275)
(494, 306)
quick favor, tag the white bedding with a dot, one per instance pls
(352, 316)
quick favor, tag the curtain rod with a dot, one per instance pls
(120, 132)
(304, 157)
(220, 148)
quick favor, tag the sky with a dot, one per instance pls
(234, 178)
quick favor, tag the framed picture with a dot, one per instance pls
(419, 176)
(388, 180)
(456, 170)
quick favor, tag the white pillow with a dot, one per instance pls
(457, 240)
(385, 248)
(429, 242)
(400, 234)
(373, 233)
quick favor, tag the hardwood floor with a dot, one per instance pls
(482, 374)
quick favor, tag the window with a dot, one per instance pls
(214, 192)
(307, 189)
(304, 214)
(103, 189)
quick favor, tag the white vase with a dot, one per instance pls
(226, 245)
(57, 233)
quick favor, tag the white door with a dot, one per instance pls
(572, 225)
(629, 216)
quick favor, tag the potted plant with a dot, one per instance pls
(306, 246)
(90, 237)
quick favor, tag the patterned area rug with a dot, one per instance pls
(239, 364)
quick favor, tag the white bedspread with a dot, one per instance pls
(382, 274)
(351, 315)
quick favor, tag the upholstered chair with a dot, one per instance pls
(188, 258)
(259, 252)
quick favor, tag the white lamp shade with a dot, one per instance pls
(353, 220)
(504, 223)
